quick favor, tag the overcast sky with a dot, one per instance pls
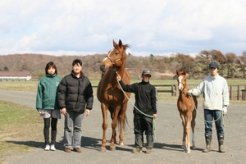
(155, 27)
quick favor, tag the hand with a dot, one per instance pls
(87, 112)
(63, 111)
(189, 92)
(118, 77)
(41, 113)
(224, 110)
(154, 116)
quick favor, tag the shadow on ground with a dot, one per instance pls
(86, 142)
(95, 144)
(173, 147)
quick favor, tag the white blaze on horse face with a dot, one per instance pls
(107, 61)
(180, 78)
(113, 58)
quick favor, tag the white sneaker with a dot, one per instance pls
(47, 148)
(52, 147)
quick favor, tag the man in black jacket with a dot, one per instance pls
(75, 99)
(144, 110)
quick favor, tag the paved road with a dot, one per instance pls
(167, 139)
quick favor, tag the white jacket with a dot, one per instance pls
(215, 92)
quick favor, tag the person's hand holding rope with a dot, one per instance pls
(63, 111)
(224, 110)
(118, 77)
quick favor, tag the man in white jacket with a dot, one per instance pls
(216, 100)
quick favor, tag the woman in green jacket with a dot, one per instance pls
(46, 104)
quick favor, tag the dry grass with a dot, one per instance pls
(18, 126)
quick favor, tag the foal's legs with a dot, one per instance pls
(183, 124)
(188, 124)
(193, 124)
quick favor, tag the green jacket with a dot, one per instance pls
(46, 94)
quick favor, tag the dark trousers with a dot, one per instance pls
(143, 124)
(47, 129)
(217, 116)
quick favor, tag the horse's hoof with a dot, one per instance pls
(103, 149)
(112, 148)
(187, 151)
(122, 144)
(193, 147)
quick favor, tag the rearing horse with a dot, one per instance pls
(110, 94)
(187, 106)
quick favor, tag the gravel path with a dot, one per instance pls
(167, 139)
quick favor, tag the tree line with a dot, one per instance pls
(231, 65)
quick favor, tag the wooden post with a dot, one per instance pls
(230, 92)
(238, 92)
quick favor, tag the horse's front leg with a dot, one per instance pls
(183, 125)
(122, 124)
(114, 125)
(113, 137)
(188, 125)
(104, 126)
(193, 124)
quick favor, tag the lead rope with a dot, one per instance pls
(221, 115)
(154, 126)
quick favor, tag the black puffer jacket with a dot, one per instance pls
(145, 96)
(75, 94)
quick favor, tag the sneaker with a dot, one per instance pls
(77, 149)
(47, 148)
(67, 150)
(137, 150)
(52, 147)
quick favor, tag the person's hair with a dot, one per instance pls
(49, 65)
(76, 62)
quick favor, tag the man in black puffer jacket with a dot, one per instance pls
(75, 99)
(144, 111)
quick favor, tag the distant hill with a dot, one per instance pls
(162, 67)
(35, 63)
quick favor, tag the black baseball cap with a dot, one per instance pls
(146, 72)
(213, 65)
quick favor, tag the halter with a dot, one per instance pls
(110, 59)
(181, 88)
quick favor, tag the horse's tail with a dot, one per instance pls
(124, 123)
(111, 109)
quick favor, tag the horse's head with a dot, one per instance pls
(181, 78)
(115, 57)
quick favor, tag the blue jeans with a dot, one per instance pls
(72, 129)
(217, 116)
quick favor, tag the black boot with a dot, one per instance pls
(208, 144)
(150, 143)
(138, 143)
(221, 147)
(221, 142)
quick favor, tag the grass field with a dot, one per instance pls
(32, 84)
(236, 86)
(17, 121)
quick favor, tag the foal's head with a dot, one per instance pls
(115, 57)
(181, 78)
